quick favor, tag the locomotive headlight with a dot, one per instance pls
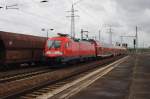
(58, 53)
(48, 52)
(55, 52)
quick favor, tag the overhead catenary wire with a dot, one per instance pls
(45, 20)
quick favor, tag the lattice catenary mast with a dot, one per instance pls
(72, 28)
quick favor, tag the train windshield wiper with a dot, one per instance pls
(50, 43)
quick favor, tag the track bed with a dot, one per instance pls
(20, 86)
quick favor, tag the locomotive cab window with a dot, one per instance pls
(67, 45)
(53, 44)
(57, 44)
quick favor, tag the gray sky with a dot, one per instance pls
(122, 15)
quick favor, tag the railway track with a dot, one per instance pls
(14, 72)
(23, 75)
(76, 83)
(18, 86)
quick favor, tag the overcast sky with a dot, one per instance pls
(95, 15)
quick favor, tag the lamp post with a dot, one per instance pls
(43, 29)
(43, 1)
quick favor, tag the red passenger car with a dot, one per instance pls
(107, 50)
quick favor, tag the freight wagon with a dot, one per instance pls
(20, 48)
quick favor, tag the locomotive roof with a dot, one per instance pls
(102, 44)
(61, 34)
(67, 38)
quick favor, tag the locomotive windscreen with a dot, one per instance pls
(53, 44)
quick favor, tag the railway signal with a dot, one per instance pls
(134, 43)
(135, 40)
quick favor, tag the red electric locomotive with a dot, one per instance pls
(64, 49)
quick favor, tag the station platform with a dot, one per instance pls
(130, 80)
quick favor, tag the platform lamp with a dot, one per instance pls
(43, 29)
(44, 1)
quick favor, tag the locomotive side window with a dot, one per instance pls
(67, 45)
